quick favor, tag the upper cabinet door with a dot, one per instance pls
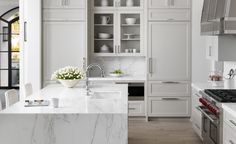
(169, 51)
(64, 4)
(169, 3)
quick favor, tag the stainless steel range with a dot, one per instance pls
(212, 113)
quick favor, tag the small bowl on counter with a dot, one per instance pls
(115, 75)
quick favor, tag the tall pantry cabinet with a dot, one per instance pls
(169, 49)
(64, 35)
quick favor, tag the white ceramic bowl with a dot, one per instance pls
(69, 83)
(104, 35)
(130, 21)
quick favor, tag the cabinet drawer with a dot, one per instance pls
(136, 108)
(229, 135)
(170, 14)
(169, 107)
(64, 4)
(63, 15)
(169, 3)
(168, 89)
(230, 120)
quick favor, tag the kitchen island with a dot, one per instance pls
(97, 119)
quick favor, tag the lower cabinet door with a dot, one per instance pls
(169, 106)
(229, 135)
(136, 108)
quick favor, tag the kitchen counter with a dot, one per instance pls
(106, 99)
(210, 85)
(101, 118)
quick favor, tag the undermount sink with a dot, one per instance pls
(106, 95)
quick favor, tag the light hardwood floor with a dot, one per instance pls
(162, 131)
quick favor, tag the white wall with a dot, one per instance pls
(200, 65)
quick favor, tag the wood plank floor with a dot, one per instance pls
(162, 131)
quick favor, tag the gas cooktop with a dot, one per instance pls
(222, 95)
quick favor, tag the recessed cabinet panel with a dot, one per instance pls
(170, 14)
(64, 44)
(168, 88)
(169, 50)
(165, 107)
(63, 15)
(64, 3)
(169, 4)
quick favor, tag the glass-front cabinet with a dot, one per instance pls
(115, 31)
(9, 49)
(118, 4)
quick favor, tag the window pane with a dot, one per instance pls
(4, 78)
(3, 60)
(15, 78)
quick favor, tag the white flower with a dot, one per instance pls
(68, 72)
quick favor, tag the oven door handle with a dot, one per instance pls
(214, 120)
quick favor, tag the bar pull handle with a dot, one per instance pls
(170, 99)
(131, 108)
(234, 123)
(150, 65)
(170, 82)
(25, 31)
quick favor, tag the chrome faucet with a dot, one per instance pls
(87, 75)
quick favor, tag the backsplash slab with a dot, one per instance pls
(134, 66)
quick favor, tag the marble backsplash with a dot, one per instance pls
(134, 66)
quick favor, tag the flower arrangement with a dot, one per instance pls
(68, 76)
(68, 73)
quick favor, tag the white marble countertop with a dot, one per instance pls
(211, 85)
(230, 108)
(108, 99)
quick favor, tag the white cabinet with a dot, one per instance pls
(64, 4)
(117, 4)
(221, 48)
(169, 106)
(196, 115)
(64, 44)
(136, 108)
(31, 43)
(169, 4)
(169, 51)
(229, 128)
(124, 39)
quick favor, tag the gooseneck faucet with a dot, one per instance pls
(87, 75)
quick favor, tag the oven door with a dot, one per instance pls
(210, 127)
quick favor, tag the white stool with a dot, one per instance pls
(11, 97)
(28, 89)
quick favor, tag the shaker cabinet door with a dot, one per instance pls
(169, 51)
(64, 45)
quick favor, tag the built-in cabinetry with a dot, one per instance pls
(196, 115)
(64, 35)
(221, 48)
(229, 128)
(117, 28)
(169, 59)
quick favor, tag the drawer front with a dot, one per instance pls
(229, 135)
(63, 15)
(169, 107)
(136, 108)
(168, 89)
(170, 15)
(169, 3)
(230, 120)
(64, 3)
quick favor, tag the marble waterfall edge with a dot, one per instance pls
(63, 128)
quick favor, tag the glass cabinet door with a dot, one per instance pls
(104, 3)
(130, 33)
(130, 3)
(104, 33)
